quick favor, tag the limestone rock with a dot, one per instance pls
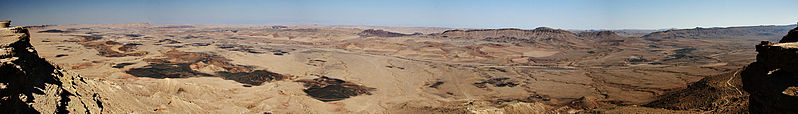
(30, 84)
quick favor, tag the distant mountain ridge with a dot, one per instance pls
(381, 33)
(723, 32)
(541, 32)
(599, 34)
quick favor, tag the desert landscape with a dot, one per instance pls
(398, 57)
(147, 68)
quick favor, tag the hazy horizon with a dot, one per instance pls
(569, 14)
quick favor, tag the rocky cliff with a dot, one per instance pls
(771, 80)
(30, 84)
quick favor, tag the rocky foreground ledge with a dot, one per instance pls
(772, 80)
(30, 84)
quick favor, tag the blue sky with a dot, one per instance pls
(565, 14)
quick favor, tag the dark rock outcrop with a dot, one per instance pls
(52, 31)
(114, 49)
(330, 89)
(179, 64)
(791, 36)
(772, 80)
(169, 41)
(379, 33)
(496, 82)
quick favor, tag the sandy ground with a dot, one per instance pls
(402, 69)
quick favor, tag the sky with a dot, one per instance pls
(525, 14)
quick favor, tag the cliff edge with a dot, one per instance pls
(30, 84)
(772, 80)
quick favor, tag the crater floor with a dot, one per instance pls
(320, 69)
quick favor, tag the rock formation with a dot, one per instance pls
(599, 34)
(30, 84)
(179, 64)
(380, 33)
(330, 89)
(791, 36)
(4, 24)
(772, 80)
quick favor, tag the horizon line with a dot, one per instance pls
(334, 25)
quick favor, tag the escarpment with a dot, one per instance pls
(772, 80)
(599, 35)
(30, 84)
(721, 33)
